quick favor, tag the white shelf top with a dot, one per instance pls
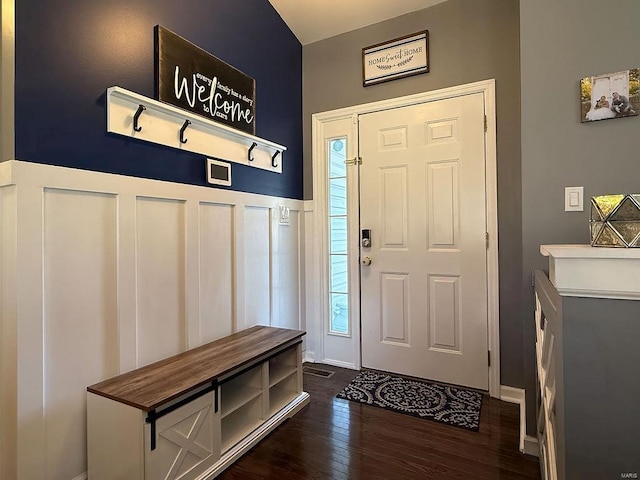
(599, 272)
(587, 251)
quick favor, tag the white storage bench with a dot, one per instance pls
(191, 415)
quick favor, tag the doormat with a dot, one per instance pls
(451, 405)
(317, 372)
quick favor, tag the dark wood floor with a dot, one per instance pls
(333, 438)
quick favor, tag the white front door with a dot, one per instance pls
(422, 194)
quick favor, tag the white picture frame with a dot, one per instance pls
(398, 58)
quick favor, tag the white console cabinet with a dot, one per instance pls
(587, 325)
(191, 415)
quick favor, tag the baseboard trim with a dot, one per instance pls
(528, 444)
(308, 357)
(82, 476)
(338, 363)
(531, 446)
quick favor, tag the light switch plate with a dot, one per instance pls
(284, 216)
(573, 199)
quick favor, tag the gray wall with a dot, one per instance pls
(562, 42)
(469, 40)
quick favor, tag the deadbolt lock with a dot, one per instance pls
(366, 238)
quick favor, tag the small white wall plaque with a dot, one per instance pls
(218, 173)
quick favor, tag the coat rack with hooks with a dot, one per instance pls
(136, 116)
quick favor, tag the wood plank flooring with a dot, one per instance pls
(336, 439)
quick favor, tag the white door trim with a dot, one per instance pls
(487, 88)
(332, 348)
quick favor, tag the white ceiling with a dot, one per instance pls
(313, 20)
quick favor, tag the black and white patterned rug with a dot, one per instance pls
(455, 406)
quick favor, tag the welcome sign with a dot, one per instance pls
(193, 79)
(397, 58)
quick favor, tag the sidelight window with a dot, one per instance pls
(338, 246)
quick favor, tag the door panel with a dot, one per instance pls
(394, 299)
(394, 206)
(444, 314)
(442, 205)
(422, 194)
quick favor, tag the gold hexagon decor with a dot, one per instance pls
(615, 221)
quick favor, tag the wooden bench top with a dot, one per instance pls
(151, 386)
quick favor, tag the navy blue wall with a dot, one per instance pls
(68, 52)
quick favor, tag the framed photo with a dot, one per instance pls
(398, 58)
(610, 95)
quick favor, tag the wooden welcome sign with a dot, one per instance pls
(193, 79)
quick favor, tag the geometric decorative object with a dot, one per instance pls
(615, 221)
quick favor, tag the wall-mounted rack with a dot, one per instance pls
(136, 116)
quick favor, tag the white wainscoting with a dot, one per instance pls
(8, 383)
(103, 273)
(311, 287)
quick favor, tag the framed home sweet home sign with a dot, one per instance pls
(398, 58)
(193, 79)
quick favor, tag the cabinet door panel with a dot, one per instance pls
(187, 442)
